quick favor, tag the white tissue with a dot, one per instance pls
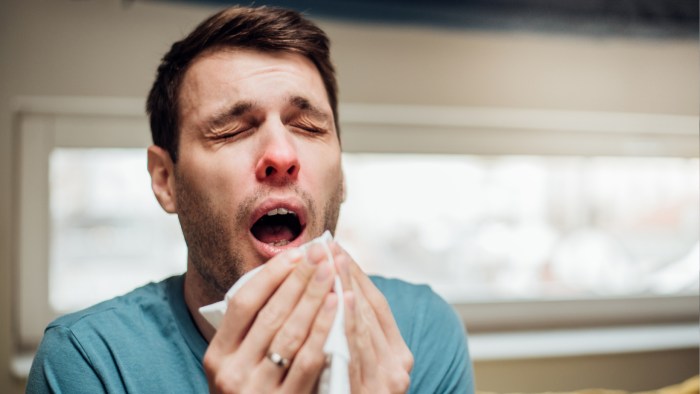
(334, 378)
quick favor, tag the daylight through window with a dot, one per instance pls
(473, 227)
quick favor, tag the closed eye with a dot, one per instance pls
(227, 136)
(311, 128)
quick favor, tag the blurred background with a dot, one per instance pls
(534, 161)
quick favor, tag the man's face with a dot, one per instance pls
(259, 167)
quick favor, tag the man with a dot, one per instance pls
(246, 152)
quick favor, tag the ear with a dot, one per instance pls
(161, 168)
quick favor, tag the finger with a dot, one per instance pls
(245, 304)
(393, 366)
(363, 361)
(348, 268)
(273, 315)
(381, 308)
(351, 334)
(292, 335)
(310, 361)
(383, 313)
(342, 266)
(377, 335)
(364, 336)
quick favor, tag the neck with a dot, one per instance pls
(198, 294)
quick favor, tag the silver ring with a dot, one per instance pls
(278, 360)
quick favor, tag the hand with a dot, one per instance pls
(287, 308)
(380, 361)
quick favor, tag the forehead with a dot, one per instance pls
(219, 77)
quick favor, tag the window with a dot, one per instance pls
(108, 233)
(491, 207)
(526, 227)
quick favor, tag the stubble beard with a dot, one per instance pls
(208, 233)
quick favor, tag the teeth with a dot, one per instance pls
(283, 242)
(280, 211)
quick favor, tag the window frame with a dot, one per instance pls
(45, 123)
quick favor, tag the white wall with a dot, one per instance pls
(516, 70)
(106, 48)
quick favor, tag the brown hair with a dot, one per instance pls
(265, 29)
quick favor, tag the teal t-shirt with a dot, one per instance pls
(147, 342)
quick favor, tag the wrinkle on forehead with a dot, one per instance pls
(216, 76)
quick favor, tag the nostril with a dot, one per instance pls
(273, 171)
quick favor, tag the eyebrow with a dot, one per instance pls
(304, 105)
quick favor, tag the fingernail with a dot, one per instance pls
(295, 255)
(323, 271)
(315, 254)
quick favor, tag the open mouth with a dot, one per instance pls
(278, 227)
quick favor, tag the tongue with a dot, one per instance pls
(272, 233)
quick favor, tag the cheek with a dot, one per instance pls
(328, 172)
(216, 180)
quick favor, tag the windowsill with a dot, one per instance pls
(544, 343)
(582, 342)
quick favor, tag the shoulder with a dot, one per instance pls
(415, 306)
(401, 294)
(84, 350)
(113, 346)
(112, 324)
(102, 315)
(117, 327)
